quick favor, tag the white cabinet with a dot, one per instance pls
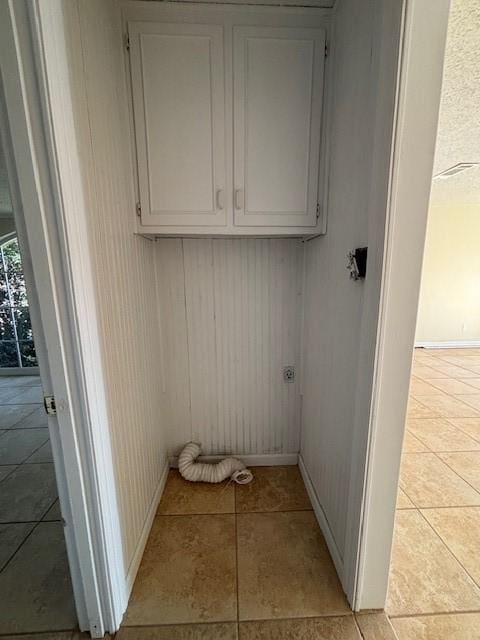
(179, 113)
(228, 120)
(278, 87)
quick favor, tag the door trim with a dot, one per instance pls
(411, 167)
(72, 368)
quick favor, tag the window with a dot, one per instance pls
(17, 348)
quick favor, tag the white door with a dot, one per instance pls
(278, 90)
(179, 115)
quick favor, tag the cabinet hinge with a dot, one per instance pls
(138, 209)
(50, 406)
(127, 42)
(326, 49)
(318, 210)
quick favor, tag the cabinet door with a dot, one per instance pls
(278, 91)
(179, 116)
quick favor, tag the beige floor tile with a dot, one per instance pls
(425, 577)
(460, 351)
(459, 528)
(187, 573)
(54, 635)
(17, 445)
(284, 568)
(449, 407)
(215, 631)
(473, 382)
(453, 386)
(11, 537)
(423, 372)
(470, 426)
(273, 489)
(83, 635)
(27, 493)
(340, 628)
(411, 444)
(420, 387)
(12, 414)
(426, 360)
(466, 465)
(473, 400)
(462, 626)
(6, 470)
(375, 626)
(183, 497)
(403, 501)
(418, 410)
(452, 371)
(466, 361)
(440, 435)
(475, 370)
(53, 514)
(430, 483)
(35, 588)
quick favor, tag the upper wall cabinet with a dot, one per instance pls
(179, 98)
(227, 116)
(278, 87)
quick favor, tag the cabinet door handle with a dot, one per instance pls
(238, 198)
(220, 202)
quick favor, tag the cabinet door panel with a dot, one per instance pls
(178, 93)
(278, 87)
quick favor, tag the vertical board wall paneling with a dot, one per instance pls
(124, 268)
(333, 302)
(227, 340)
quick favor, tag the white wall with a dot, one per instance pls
(338, 376)
(449, 305)
(123, 264)
(230, 319)
(450, 294)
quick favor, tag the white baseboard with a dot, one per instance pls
(321, 519)
(449, 344)
(260, 460)
(142, 541)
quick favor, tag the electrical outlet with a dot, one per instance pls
(289, 373)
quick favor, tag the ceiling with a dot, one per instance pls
(459, 124)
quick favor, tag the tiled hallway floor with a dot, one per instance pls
(228, 561)
(35, 589)
(435, 577)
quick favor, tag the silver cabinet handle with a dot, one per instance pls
(219, 199)
(238, 198)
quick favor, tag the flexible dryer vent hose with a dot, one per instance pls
(203, 472)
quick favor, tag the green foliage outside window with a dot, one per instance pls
(17, 348)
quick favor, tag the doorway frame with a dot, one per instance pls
(73, 365)
(62, 320)
(411, 169)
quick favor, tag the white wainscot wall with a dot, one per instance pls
(230, 312)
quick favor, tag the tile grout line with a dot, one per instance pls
(475, 439)
(457, 474)
(358, 628)
(431, 614)
(349, 614)
(35, 523)
(450, 552)
(24, 417)
(216, 513)
(236, 557)
(7, 562)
